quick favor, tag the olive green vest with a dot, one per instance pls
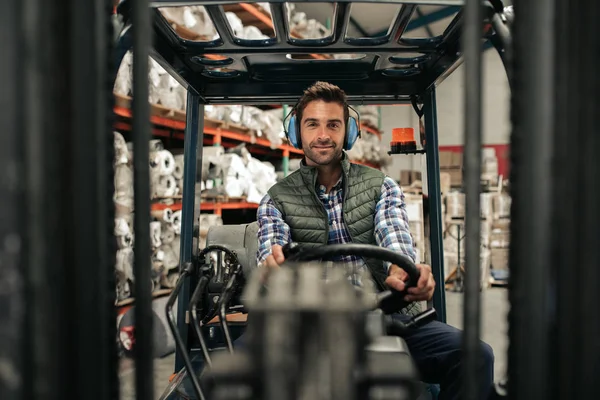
(296, 198)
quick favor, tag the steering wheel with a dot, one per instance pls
(389, 301)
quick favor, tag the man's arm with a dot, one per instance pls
(391, 221)
(272, 229)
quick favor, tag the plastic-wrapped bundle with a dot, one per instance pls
(252, 33)
(124, 79)
(236, 24)
(121, 151)
(154, 75)
(252, 118)
(214, 112)
(236, 178)
(194, 18)
(263, 177)
(455, 205)
(486, 201)
(123, 194)
(171, 93)
(369, 115)
(233, 113)
(502, 202)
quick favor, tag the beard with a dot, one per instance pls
(323, 152)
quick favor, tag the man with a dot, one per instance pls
(328, 200)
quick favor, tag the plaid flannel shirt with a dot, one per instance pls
(391, 224)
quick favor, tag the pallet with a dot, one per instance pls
(229, 126)
(155, 109)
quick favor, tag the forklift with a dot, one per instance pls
(211, 298)
(57, 259)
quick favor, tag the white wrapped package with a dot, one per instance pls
(233, 113)
(170, 93)
(263, 178)
(176, 224)
(155, 227)
(163, 162)
(123, 185)
(252, 33)
(154, 76)
(236, 178)
(194, 18)
(166, 186)
(178, 170)
(235, 23)
(124, 80)
(121, 152)
(252, 118)
(214, 112)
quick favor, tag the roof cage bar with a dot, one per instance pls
(341, 20)
(400, 23)
(396, 30)
(219, 20)
(174, 3)
(280, 22)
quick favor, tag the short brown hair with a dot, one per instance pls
(326, 92)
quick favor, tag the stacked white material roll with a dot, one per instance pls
(165, 226)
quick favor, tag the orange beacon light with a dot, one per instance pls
(403, 140)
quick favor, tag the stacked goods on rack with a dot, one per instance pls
(235, 174)
(494, 234)
(165, 227)
(451, 164)
(454, 236)
(500, 237)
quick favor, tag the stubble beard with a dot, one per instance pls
(325, 156)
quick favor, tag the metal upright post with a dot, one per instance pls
(57, 315)
(144, 357)
(190, 212)
(533, 221)
(14, 334)
(472, 389)
(435, 203)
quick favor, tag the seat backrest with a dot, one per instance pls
(241, 238)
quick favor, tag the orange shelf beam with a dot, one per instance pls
(208, 206)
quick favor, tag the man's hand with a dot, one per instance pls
(272, 262)
(276, 258)
(423, 291)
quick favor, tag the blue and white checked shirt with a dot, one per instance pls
(391, 223)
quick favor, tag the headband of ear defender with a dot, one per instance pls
(292, 130)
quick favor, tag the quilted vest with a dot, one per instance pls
(296, 198)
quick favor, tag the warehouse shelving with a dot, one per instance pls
(170, 124)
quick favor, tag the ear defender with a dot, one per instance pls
(352, 133)
(293, 134)
(292, 131)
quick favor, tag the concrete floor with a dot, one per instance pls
(494, 332)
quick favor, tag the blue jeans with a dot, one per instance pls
(437, 351)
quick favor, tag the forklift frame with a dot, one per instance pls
(57, 219)
(263, 72)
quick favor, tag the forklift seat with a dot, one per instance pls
(242, 239)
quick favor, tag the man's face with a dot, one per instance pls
(322, 131)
